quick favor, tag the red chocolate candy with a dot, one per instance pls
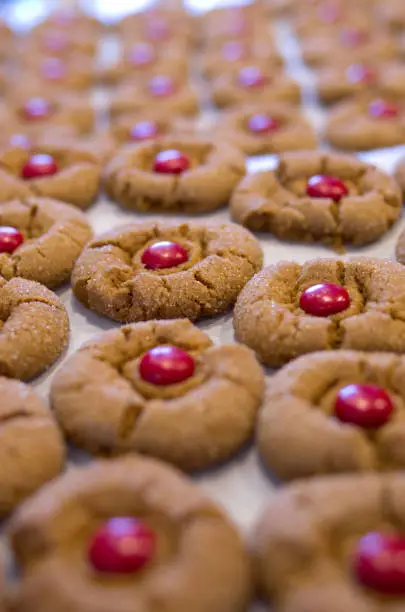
(171, 162)
(39, 165)
(324, 186)
(164, 254)
(10, 239)
(166, 365)
(324, 299)
(379, 563)
(367, 406)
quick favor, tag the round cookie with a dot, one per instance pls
(183, 174)
(326, 17)
(39, 114)
(176, 396)
(336, 411)
(40, 240)
(41, 76)
(31, 446)
(333, 544)
(347, 45)
(288, 310)
(160, 26)
(258, 129)
(198, 270)
(366, 123)
(163, 93)
(172, 548)
(70, 174)
(384, 79)
(254, 85)
(391, 13)
(144, 125)
(34, 328)
(55, 42)
(316, 196)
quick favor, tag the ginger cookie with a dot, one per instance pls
(54, 42)
(183, 174)
(40, 240)
(165, 270)
(288, 310)
(390, 13)
(31, 449)
(34, 328)
(141, 60)
(137, 127)
(348, 409)
(366, 123)
(137, 535)
(160, 26)
(38, 114)
(176, 396)
(70, 174)
(44, 75)
(234, 54)
(348, 45)
(263, 128)
(333, 544)
(164, 93)
(326, 17)
(254, 85)
(316, 196)
(380, 79)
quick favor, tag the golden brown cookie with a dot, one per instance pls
(254, 85)
(379, 79)
(315, 196)
(67, 173)
(333, 543)
(31, 448)
(37, 115)
(54, 42)
(391, 13)
(137, 535)
(45, 75)
(176, 396)
(161, 26)
(34, 328)
(288, 310)
(40, 239)
(366, 122)
(335, 411)
(348, 44)
(165, 270)
(183, 174)
(263, 128)
(163, 93)
(146, 125)
(327, 17)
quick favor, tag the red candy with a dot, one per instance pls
(171, 162)
(233, 51)
(251, 77)
(263, 124)
(38, 166)
(164, 254)
(141, 54)
(380, 109)
(166, 365)
(53, 69)
(324, 300)
(367, 406)
(323, 186)
(36, 109)
(122, 545)
(379, 563)
(144, 130)
(360, 73)
(10, 239)
(160, 86)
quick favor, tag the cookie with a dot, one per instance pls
(40, 240)
(70, 20)
(383, 79)
(288, 310)
(315, 196)
(165, 270)
(163, 93)
(146, 125)
(141, 60)
(348, 45)
(31, 449)
(333, 543)
(160, 26)
(227, 23)
(336, 411)
(177, 397)
(184, 174)
(390, 13)
(68, 174)
(39, 114)
(56, 41)
(326, 17)
(253, 85)
(41, 76)
(34, 328)
(263, 128)
(137, 535)
(366, 123)
(233, 55)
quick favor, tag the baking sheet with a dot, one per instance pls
(241, 486)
